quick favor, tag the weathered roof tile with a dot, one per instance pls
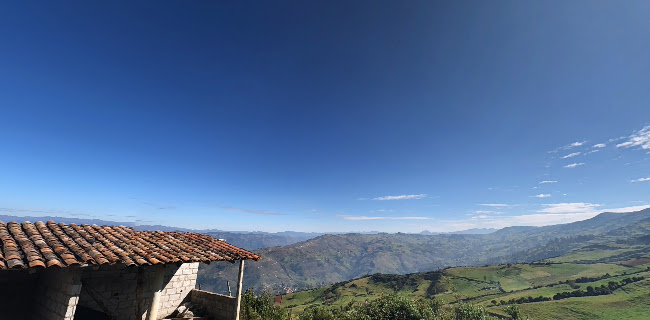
(42, 245)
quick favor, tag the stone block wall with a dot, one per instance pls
(218, 306)
(57, 293)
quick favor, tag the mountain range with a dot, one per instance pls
(332, 258)
(243, 239)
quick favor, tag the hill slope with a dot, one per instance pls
(538, 289)
(333, 258)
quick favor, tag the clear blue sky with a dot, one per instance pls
(325, 116)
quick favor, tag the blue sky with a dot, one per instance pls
(326, 116)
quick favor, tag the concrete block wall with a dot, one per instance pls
(218, 306)
(116, 287)
(57, 293)
(179, 282)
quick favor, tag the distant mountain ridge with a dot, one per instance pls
(332, 258)
(243, 239)
(601, 223)
(468, 231)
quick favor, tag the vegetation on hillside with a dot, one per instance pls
(389, 307)
(604, 276)
(582, 289)
(333, 258)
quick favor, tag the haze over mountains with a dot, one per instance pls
(332, 258)
(295, 261)
(250, 240)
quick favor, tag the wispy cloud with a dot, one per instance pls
(551, 214)
(365, 218)
(499, 205)
(640, 138)
(253, 211)
(35, 211)
(547, 181)
(571, 155)
(628, 209)
(402, 197)
(571, 207)
(641, 180)
(487, 212)
(573, 165)
(600, 145)
(542, 195)
(568, 146)
(497, 188)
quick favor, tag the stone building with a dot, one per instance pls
(51, 271)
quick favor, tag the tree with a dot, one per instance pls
(466, 311)
(513, 312)
(260, 307)
(318, 313)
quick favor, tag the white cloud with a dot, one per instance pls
(364, 218)
(576, 144)
(572, 207)
(628, 209)
(542, 195)
(568, 146)
(640, 138)
(573, 165)
(402, 197)
(548, 181)
(571, 155)
(502, 205)
(487, 212)
(600, 145)
(551, 214)
(641, 180)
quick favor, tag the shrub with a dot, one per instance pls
(318, 313)
(466, 311)
(394, 308)
(260, 307)
(513, 312)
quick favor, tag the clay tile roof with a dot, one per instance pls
(46, 245)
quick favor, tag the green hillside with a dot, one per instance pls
(333, 258)
(536, 288)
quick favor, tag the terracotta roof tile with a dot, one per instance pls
(41, 245)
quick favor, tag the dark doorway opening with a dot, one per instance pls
(85, 313)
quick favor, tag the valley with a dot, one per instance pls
(612, 278)
(329, 259)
